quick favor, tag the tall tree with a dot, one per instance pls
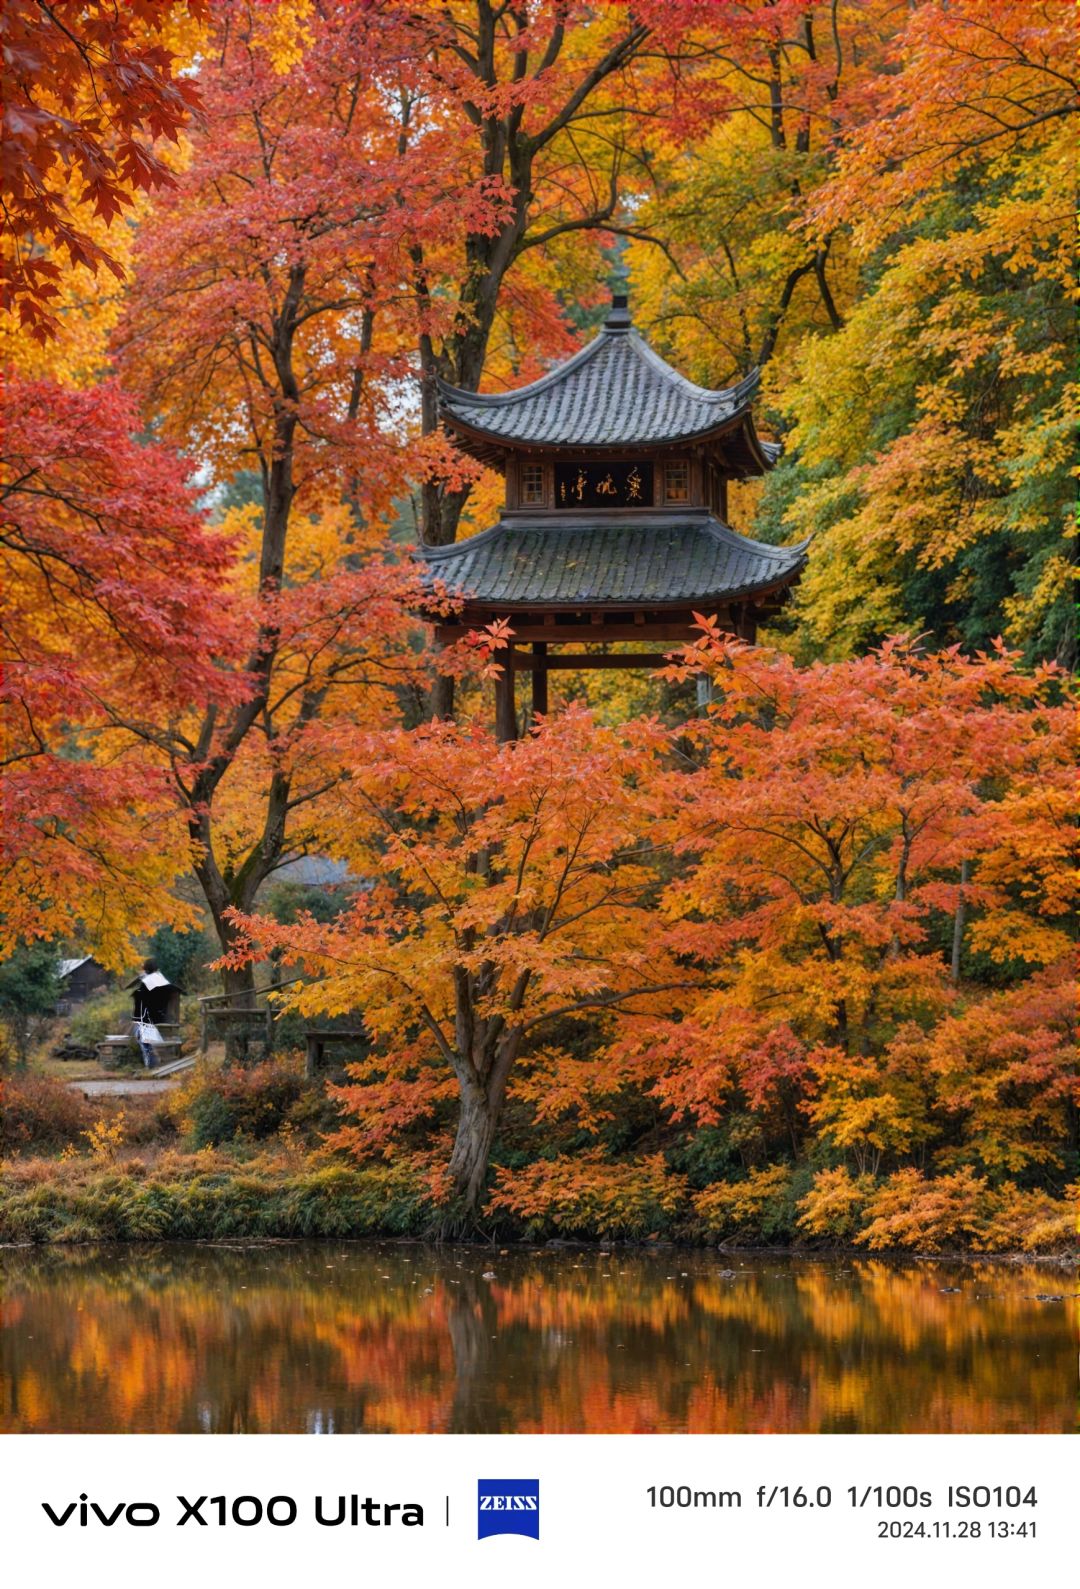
(741, 278)
(512, 890)
(264, 334)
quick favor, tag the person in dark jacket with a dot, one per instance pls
(152, 998)
(151, 994)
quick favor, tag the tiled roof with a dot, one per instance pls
(615, 393)
(659, 560)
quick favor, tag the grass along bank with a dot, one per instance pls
(240, 1153)
(284, 1192)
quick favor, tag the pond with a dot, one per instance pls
(347, 1337)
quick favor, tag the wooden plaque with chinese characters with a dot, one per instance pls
(603, 485)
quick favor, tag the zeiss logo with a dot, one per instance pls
(508, 1506)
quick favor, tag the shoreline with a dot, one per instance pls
(1056, 1262)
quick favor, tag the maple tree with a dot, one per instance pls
(510, 891)
(263, 332)
(839, 811)
(89, 89)
(96, 525)
(95, 528)
(859, 844)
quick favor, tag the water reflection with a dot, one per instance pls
(325, 1338)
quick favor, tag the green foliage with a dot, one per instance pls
(218, 1105)
(287, 902)
(760, 1206)
(98, 1016)
(29, 987)
(187, 1199)
(927, 451)
(706, 1156)
(183, 956)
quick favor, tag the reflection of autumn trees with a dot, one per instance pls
(306, 1337)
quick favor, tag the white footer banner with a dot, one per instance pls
(176, 1510)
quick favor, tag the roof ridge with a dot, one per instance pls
(607, 335)
(748, 543)
(520, 393)
(706, 394)
(433, 554)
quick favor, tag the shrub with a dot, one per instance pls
(106, 1137)
(585, 1196)
(1034, 1221)
(910, 1211)
(39, 1112)
(761, 1205)
(964, 1211)
(217, 1105)
(202, 1197)
(835, 1203)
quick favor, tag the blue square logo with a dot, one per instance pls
(508, 1506)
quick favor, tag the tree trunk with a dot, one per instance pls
(239, 982)
(958, 923)
(442, 697)
(477, 1124)
(241, 985)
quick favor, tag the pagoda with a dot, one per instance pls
(614, 527)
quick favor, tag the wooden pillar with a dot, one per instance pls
(746, 624)
(540, 680)
(505, 711)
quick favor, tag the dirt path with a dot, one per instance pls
(123, 1089)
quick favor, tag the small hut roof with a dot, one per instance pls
(151, 980)
(66, 967)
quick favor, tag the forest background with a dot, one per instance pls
(794, 968)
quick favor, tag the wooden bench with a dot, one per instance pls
(316, 1041)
